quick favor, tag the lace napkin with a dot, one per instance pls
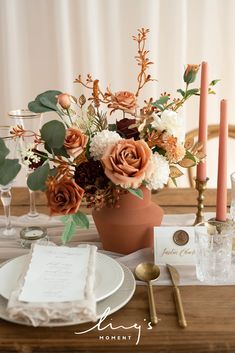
(42, 313)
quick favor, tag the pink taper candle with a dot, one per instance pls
(202, 134)
(221, 199)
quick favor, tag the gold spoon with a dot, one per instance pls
(148, 272)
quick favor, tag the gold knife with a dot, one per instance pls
(179, 306)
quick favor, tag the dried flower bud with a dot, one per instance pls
(82, 100)
(191, 73)
(64, 100)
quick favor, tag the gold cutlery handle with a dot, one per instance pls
(179, 307)
(152, 308)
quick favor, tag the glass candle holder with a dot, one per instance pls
(30, 235)
(213, 244)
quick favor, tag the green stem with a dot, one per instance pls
(61, 117)
(183, 100)
(71, 122)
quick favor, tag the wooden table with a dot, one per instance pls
(210, 311)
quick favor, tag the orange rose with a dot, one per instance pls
(64, 196)
(75, 141)
(127, 163)
(125, 101)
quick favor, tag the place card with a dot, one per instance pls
(56, 274)
(174, 245)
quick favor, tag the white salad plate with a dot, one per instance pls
(109, 276)
(104, 308)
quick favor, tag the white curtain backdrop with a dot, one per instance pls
(45, 44)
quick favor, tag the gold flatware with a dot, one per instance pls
(148, 272)
(178, 302)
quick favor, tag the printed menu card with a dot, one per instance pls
(56, 274)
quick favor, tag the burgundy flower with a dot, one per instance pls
(90, 176)
(124, 130)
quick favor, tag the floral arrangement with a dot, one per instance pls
(85, 157)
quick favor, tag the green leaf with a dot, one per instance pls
(214, 82)
(159, 106)
(48, 96)
(57, 151)
(162, 100)
(189, 155)
(210, 91)
(69, 230)
(136, 192)
(181, 92)
(53, 171)
(37, 179)
(159, 150)
(45, 102)
(81, 219)
(37, 107)
(53, 133)
(3, 150)
(9, 170)
(191, 92)
(112, 127)
(66, 218)
(174, 181)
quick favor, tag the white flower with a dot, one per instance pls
(172, 123)
(160, 173)
(100, 142)
(28, 156)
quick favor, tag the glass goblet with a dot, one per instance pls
(32, 123)
(5, 190)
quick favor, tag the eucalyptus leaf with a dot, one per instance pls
(44, 102)
(9, 169)
(57, 151)
(3, 150)
(37, 107)
(53, 171)
(47, 103)
(37, 179)
(51, 95)
(53, 133)
(136, 192)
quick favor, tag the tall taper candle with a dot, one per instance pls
(202, 134)
(221, 199)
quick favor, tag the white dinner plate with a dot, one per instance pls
(109, 305)
(108, 277)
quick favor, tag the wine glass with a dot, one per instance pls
(5, 190)
(31, 122)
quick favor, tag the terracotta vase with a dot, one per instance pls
(129, 227)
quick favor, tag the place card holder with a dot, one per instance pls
(174, 245)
